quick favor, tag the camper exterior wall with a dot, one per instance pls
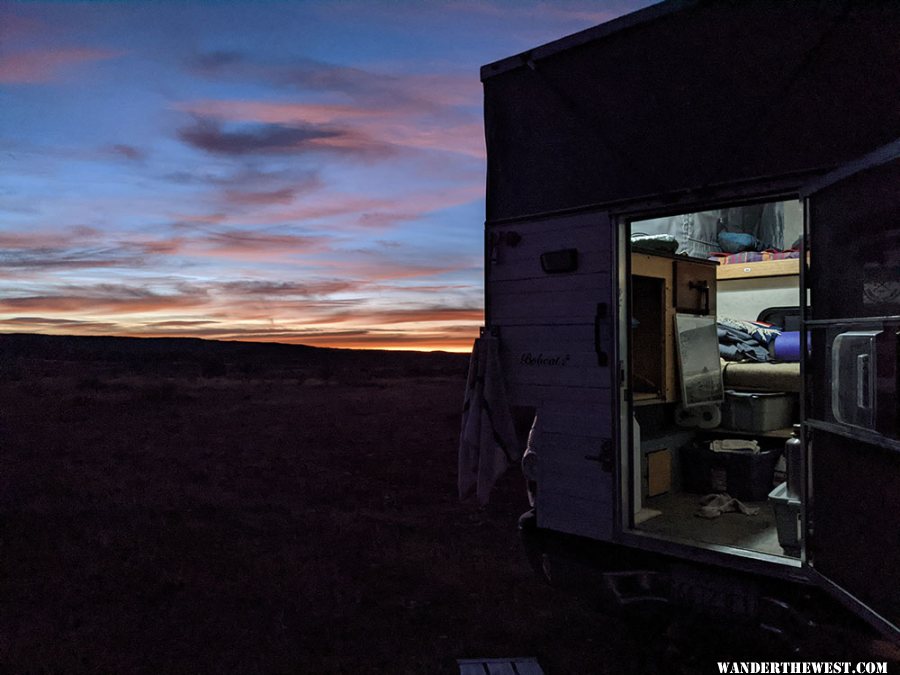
(705, 94)
(555, 330)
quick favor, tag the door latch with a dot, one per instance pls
(604, 457)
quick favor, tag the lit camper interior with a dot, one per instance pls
(715, 377)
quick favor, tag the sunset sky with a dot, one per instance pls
(308, 172)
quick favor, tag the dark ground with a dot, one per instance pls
(181, 507)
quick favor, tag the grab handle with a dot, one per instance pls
(602, 356)
(703, 288)
(862, 381)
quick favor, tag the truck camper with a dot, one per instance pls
(692, 280)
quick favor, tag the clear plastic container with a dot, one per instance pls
(793, 454)
(758, 411)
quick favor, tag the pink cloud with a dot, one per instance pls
(237, 240)
(272, 112)
(252, 244)
(546, 11)
(386, 270)
(186, 219)
(78, 234)
(253, 288)
(377, 212)
(368, 88)
(16, 27)
(397, 124)
(38, 67)
(305, 204)
(390, 317)
(77, 248)
(130, 302)
(261, 197)
(128, 152)
(41, 323)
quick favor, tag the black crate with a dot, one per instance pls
(744, 475)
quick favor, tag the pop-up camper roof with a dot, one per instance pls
(684, 95)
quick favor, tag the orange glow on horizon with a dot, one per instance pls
(460, 346)
(410, 343)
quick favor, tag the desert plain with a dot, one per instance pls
(178, 506)
(183, 506)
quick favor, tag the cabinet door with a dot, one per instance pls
(851, 378)
(694, 287)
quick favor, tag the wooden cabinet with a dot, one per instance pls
(662, 286)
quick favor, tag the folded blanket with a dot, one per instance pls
(744, 340)
(760, 331)
(654, 243)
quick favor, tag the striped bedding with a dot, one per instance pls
(752, 256)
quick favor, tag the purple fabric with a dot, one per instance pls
(787, 346)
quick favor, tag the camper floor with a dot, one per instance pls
(678, 520)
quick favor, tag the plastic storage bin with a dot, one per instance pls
(787, 520)
(758, 411)
(745, 475)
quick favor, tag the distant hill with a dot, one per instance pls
(179, 356)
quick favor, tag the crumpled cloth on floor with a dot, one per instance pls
(713, 506)
(735, 445)
(488, 444)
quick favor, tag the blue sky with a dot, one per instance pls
(307, 172)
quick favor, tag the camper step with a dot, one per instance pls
(517, 666)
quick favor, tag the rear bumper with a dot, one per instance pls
(656, 589)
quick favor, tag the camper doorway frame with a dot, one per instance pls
(621, 217)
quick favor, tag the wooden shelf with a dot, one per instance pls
(644, 398)
(762, 268)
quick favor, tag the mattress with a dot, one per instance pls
(752, 376)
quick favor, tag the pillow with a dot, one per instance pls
(735, 242)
